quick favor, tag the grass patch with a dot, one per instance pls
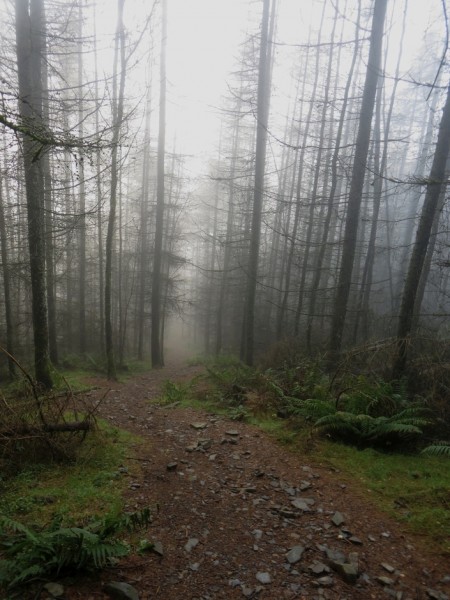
(415, 490)
(71, 493)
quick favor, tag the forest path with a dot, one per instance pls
(241, 516)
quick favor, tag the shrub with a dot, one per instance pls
(437, 449)
(30, 555)
(371, 414)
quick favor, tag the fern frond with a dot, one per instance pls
(9, 524)
(437, 449)
(311, 408)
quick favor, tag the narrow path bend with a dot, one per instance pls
(242, 517)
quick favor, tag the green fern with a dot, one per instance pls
(437, 449)
(368, 430)
(29, 555)
(310, 409)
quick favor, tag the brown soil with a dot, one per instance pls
(234, 496)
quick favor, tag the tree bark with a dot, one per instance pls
(262, 117)
(29, 31)
(156, 350)
(10, 345)
(117, 122)
(357, 181)
(416, 263)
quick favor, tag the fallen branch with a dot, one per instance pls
(48, 428)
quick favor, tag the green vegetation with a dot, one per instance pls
(368, 429)
(413, 489)
(71, 492)
(35, 554)
(60, 517)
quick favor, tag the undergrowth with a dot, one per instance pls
(47, 510)
(29, 555)
(369, 429)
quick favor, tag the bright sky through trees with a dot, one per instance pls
(204, 42)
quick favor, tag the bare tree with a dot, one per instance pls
(262, 118)
(29, 31)
(417, 260)
(357, 180)
(156, 349)
(118, 102)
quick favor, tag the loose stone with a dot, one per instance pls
(263, 577)
(190, 544)
(121, 591)
(338, 519)
(385, 580)
(55, 589)
(295, 554)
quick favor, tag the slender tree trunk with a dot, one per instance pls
(159, 222)
(82, 195)
(10, 341)
(260, 161)
(427, 136)
(98, 183)
(29, 32)
(317, 275)
(118, 98)
(430, 250)
(317, 171)
(143, 234)
(357, 181)
(416, 263)
(49, 241)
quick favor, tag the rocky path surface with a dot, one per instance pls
(242, 517)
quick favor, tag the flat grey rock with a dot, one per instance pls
(263, 577)
(338, 519)
(190, 544)
(295, 554)
(55, 589)
(121, 591)
(300, 505)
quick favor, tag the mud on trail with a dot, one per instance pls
(242, 517)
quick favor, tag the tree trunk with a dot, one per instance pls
(320, 261)
(6, 288)
(159, 222)
(262, 117)
(29, 32)
(357, 181)
(117, 122)
(82, 195)
(416, 263)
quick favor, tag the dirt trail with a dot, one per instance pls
(242, 517)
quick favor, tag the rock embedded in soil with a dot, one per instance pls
(158, 549)
(385, 580)
(56, 590)
(436, 595)
(338, 519)
(300, 505)
(295, 554)
(172, 466)
(325, 581)
(263, 577)
(190, 544)
(199, 426)
(121, 591)
(319, 568)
